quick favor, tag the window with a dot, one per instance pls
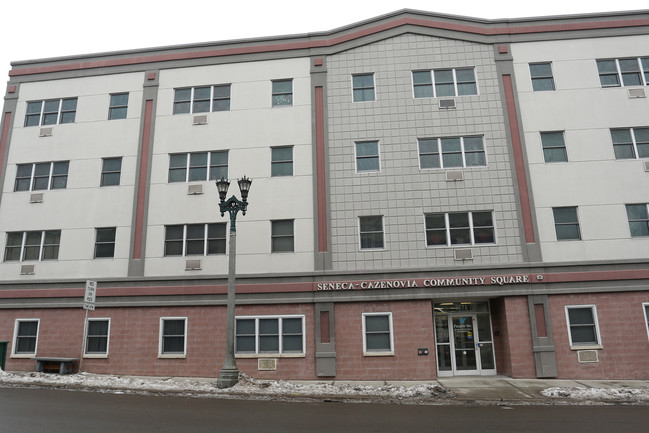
(542, 78)
(118, 106)
(281, 161)
(105, 242)
(371, 232)
(363, 87)
(282, 236)
(25, 337)
(367, 156)
(554, 148)
(198, 166)
(51, 112)
(630, 143)
(202, 99)
(566, 223)
(173, 333)
(269, 335)
(638, 219)
(282, 93)
(582, 325)
(42, 176)
(377, 334)
(34, 245)
(190, 239)
(628, 72)
(97, 336)
(111, 171)
(444, 82)
(459, 228)
(646, 315)
(454, 151)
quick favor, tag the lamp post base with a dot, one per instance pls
(228, 377)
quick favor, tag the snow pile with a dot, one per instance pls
(602, 394)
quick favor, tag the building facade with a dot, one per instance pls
(432, 196)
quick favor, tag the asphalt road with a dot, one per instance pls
(55, 411)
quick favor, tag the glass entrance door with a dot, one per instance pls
(464, 346)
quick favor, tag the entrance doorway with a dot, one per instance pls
(464, 339)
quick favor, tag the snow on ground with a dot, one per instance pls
(606, 394)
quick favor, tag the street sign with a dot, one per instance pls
(90, 295)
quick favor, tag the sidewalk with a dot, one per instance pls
(448, 391)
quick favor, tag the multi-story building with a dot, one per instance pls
(432, 196)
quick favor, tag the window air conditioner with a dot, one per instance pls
(463, 254)
(446, 103)
(193, 265)
(200, 120)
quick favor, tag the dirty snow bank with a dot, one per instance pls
(604, 394)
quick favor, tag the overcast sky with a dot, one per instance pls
(33, 29)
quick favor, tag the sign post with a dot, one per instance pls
(88, 304)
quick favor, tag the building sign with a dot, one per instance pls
(490, 280)
(90, 295)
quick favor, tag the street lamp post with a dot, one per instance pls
(229, 375)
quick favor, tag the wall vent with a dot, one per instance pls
(646, 166)
(36, 197)
(446, 103)
(587, 356)
(193, 265)
(637, 93)
(454, 175)
(267, 364)
(45, 132)
(200, 120)
(196, 188)
(27, 270)
(463, 254)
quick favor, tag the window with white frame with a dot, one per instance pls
(459, 228)
(632, 71)
(630, 143)
(118, 106)
(363, 87)
(378, 337)
(282, 93)
(554, 147)
(542, 78)
(97, 335)
(32, 245)
(444, 82)
(566, 223)
(367, 156)
(638, 215)
(25, 337)
(111, 171)
(202, 99)
(282, 236)
(51, 112)
(105, 242)
(173, 336)
(583, 328)
(371, 232)
(198, 166)
(451, 152)
(281, 163)
(270, 335)
(195, 239)
(42, 176)
(645, 307)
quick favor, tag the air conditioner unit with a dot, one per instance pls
(27, 270)
(267, 364)
(36, 198)
(454, 175)
(446, 103)
(193, 265)
(585, 356)
(646, 166)
(637, 93)
(45, 132)
(200, 120)
(463, 254)
(196, 188)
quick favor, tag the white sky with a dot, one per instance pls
(34, 29)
